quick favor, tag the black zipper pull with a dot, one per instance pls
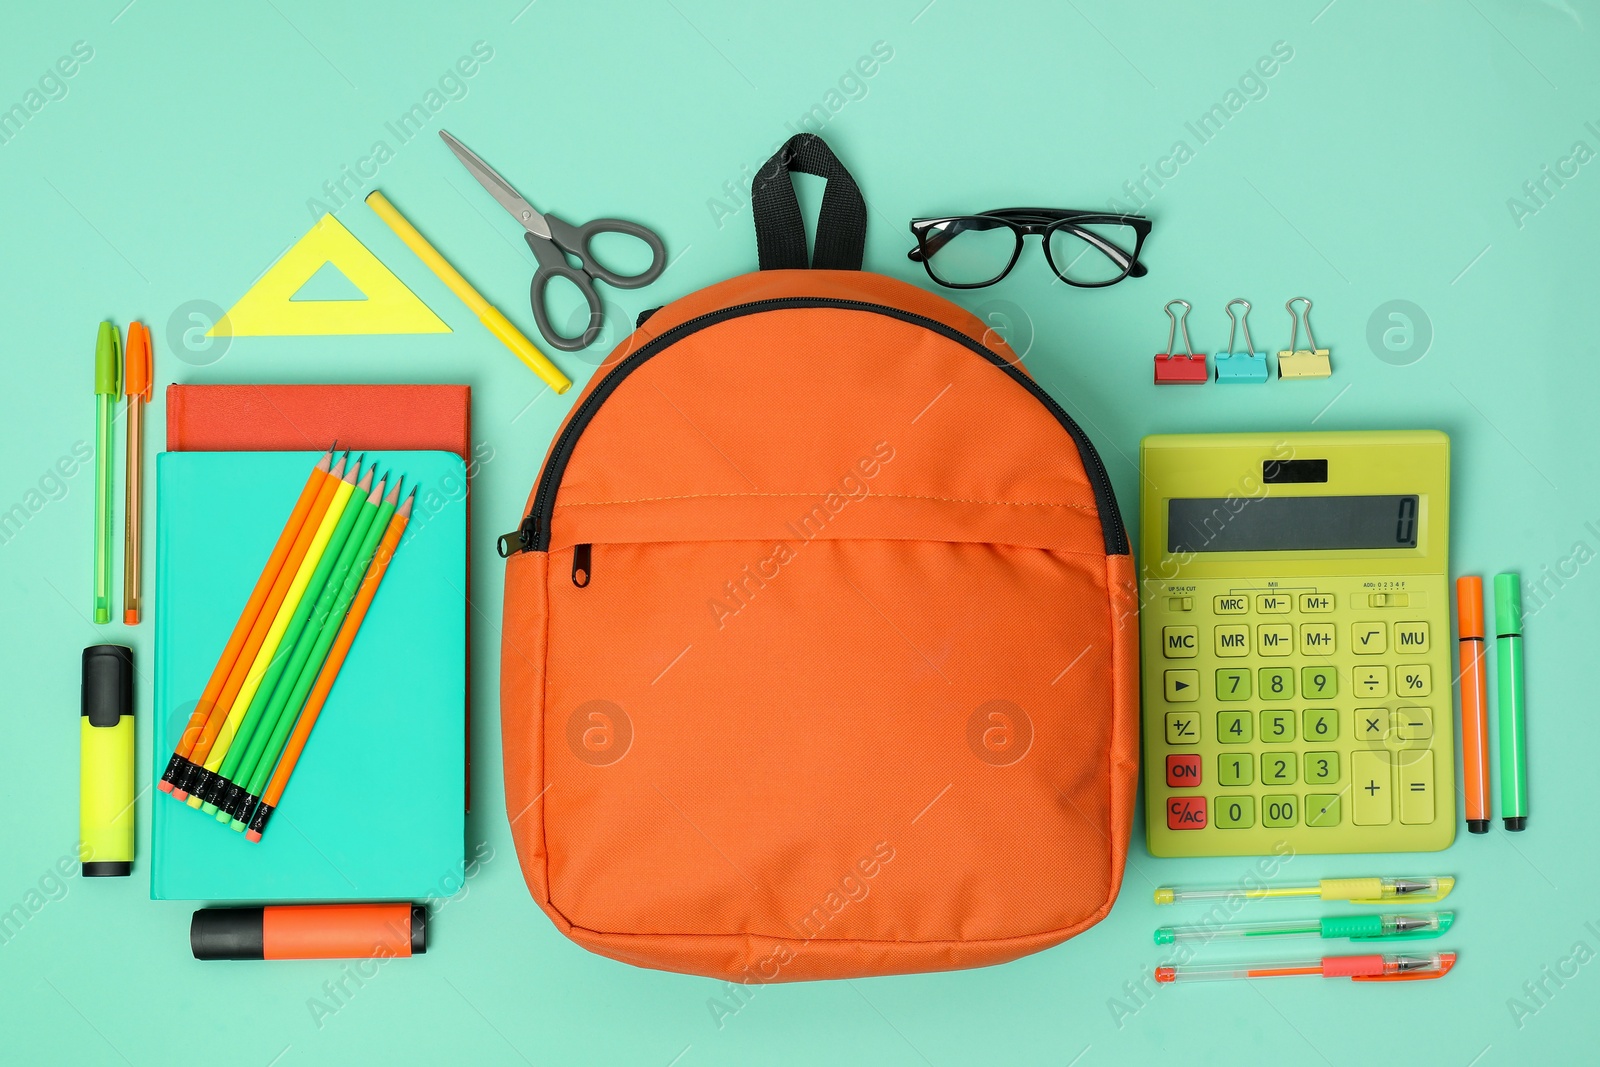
(519, 540)
(581, 565)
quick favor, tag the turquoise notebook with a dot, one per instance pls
(374, 808)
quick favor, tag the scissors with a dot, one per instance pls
(553, 240)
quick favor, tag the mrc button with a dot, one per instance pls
(1186, 813)
(1183, 769)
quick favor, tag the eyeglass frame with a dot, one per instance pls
(1026, 221)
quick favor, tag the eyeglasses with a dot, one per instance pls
(1088, 249)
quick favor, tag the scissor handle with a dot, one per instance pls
(542, 277)
(579, 239)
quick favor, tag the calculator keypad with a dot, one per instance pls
(1294, 713)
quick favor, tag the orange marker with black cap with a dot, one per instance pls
(1474, 702)
(310, 932)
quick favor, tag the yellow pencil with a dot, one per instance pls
(492, 319)
(280, 622)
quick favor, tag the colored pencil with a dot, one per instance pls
(330, 670)
(215, 710)
(300, 654)
(334, 620)
(270, 661)
(267, 651)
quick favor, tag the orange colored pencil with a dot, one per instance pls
(247, 618)
(217, 714)
(330, 669)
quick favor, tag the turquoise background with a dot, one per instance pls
(1375, 165)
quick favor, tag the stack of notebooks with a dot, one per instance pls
(375, 807)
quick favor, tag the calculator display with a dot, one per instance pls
(1291, 523)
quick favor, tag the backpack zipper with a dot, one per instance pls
(534, 532)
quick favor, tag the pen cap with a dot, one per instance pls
(108, 360)
(136, 366)
(1469, 606)
(1507, 604)
(107, 684)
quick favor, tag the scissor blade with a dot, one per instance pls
(498, 187)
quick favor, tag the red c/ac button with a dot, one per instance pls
(1186, 813)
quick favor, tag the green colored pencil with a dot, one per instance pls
(305, 640)
(313, 665)
(280, 658)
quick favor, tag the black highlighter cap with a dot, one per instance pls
(419, 929)
(228, 934)
(107, 683)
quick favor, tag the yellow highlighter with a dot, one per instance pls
(490, 316)
(1352, 890)
(105, 761)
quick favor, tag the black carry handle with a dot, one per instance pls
(781, 232)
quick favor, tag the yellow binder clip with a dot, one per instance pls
(1302, 362)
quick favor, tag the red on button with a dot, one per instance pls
(1183, 770)
(1186, 813)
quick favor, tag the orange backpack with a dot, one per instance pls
(820, 634)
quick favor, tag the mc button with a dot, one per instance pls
(1180, 642)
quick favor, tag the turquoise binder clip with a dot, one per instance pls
(1245, 367)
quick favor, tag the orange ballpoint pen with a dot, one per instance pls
(136, 376)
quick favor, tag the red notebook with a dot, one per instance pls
(308, 418)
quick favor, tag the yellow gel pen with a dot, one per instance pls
(1355, 890)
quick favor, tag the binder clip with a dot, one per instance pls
(1240, 367)
(1180, 368)
(1302, 362)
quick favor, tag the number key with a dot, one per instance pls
(1277, 768)
(1279, 810)
(1318, 682)
(1277, 726)
(1233, 683)
(1322, 768)
(1277, 683)
(1234, 727)
(1234, 769)
(1234, 813)
(1321, 724)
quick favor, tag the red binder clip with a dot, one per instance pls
(1180, 368)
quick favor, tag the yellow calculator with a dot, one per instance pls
(1296, 645)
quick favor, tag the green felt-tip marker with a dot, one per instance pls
(313, 665)
(295, 647)
(1511, 709)
(107, 387)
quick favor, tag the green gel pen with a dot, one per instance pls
(1352, 927)
(107, 387)
(1509, 700)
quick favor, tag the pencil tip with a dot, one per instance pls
(394, 494)
(325, 462)
(377, 492)
(366, 479)
(338, 468)
(405, 509)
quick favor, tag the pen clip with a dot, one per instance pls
(1423, 933)
(1445, 884)
(1447, 960)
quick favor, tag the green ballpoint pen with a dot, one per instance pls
(107, 387)
(1352, 927)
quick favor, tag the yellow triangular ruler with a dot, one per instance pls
(270, 310)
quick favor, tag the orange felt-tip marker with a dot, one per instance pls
(310, 932)
(1474, 702)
